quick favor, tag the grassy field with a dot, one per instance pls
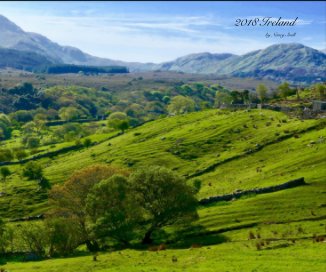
(235, 257)
(227, 151)
(235, 142)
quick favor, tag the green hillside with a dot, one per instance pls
(208, 145)
(227, 151)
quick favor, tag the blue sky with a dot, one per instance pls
(162, 31)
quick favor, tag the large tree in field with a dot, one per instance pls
(164, 197)
(70, 198)
(112, 210)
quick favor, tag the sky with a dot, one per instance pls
(164, 30)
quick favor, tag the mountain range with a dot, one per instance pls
(293, 62)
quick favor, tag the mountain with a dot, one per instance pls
(281, 61)
(21, 60)
(292, 62)
(201, 63)
(13, 37)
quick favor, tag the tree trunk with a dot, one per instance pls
(92, 246)
(147, 238)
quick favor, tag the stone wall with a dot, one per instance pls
(238, 194)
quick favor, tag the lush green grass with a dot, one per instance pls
(186, 143)
(237, 256)
(279, 162)
(302, 205)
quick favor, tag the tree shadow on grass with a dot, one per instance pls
(182, 238)
(195, 236)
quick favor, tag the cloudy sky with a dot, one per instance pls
(162, 31)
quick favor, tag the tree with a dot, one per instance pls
(113, 212)
(29, 128)
(32, 142)
(5, 155)
(44, 184)
(69, 132)
(69, 113)
(5, 129)
(69, 199)
(245, 96)
(35, 238)
(5, 172)
(262, 91)
(236, 97)
(20, 154)
(33, 171)
(22, 116)
(319, 90)
(222, 98)
(284, 90)
(165, 199)
(118, 120)
(3, 238)
(87, 142)
(64, 235)
(166, 99)
(181, 104)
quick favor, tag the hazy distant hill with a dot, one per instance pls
(21, 60)
(281, 61)
(13, 37)
(202, 63)
(292, 62)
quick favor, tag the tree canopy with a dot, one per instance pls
(181, 104)
(165, 198)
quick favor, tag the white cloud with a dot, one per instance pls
(137, 37)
